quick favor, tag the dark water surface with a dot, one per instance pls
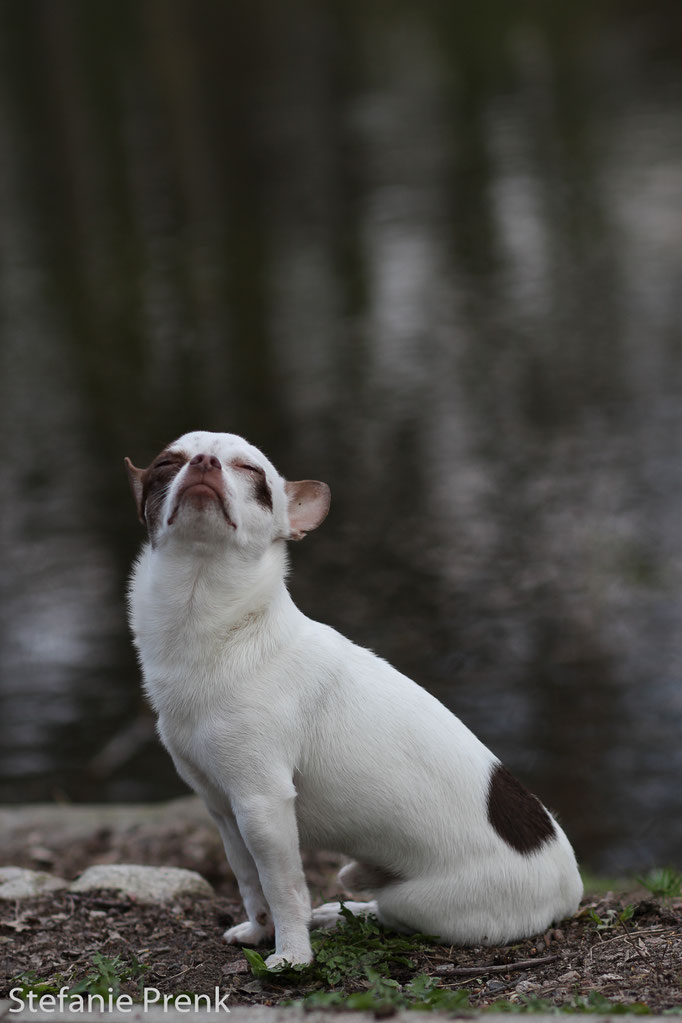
(429, 254)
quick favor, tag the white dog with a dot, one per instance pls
(295, 737)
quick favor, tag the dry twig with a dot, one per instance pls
(520, 964)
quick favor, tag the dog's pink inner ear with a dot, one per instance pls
(308, 506)
(135, 478)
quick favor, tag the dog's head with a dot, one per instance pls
(216, 487)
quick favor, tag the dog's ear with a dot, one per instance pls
(135, 478)
(308, 506)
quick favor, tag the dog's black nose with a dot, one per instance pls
(205, 462)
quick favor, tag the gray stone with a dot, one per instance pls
(146, 884)
(17, 883)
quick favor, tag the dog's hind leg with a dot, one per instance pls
(361, 878)
(366, 877)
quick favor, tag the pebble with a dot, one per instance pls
(18, 883)
(566, 977)
(41, 854)
(525, 985)
(236, 966)
(146, 884)
(495, 985)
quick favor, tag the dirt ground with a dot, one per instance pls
(634, 959)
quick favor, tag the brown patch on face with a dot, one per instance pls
(261, 489)
(262, 492)
(156, 480)
(518, 817)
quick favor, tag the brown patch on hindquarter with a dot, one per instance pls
(518, 817)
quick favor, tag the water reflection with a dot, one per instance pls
(429, 256)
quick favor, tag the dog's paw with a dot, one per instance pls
(248, 933)
(329, 914)
(326, 916)
(289, 959)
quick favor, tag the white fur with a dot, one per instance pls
(295, 737)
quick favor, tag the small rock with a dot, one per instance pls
(495, 985)
(236, 966)
(565, 978)
(146, 884)
(526, 985)
(41, 854)
(18, 883)
(252, 987)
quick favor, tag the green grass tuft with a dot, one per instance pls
(594, 1002)
(663, 882)
(423, 994)
(106, 972)
(346, 954)
(360, 953)
(612, 918)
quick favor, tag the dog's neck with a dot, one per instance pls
(220, 592)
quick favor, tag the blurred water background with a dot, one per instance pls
(429, 253)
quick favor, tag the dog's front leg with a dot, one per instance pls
(268, 826)
(259, 924)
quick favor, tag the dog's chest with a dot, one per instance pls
(201, 719)
(214, 692)
(194, 673)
